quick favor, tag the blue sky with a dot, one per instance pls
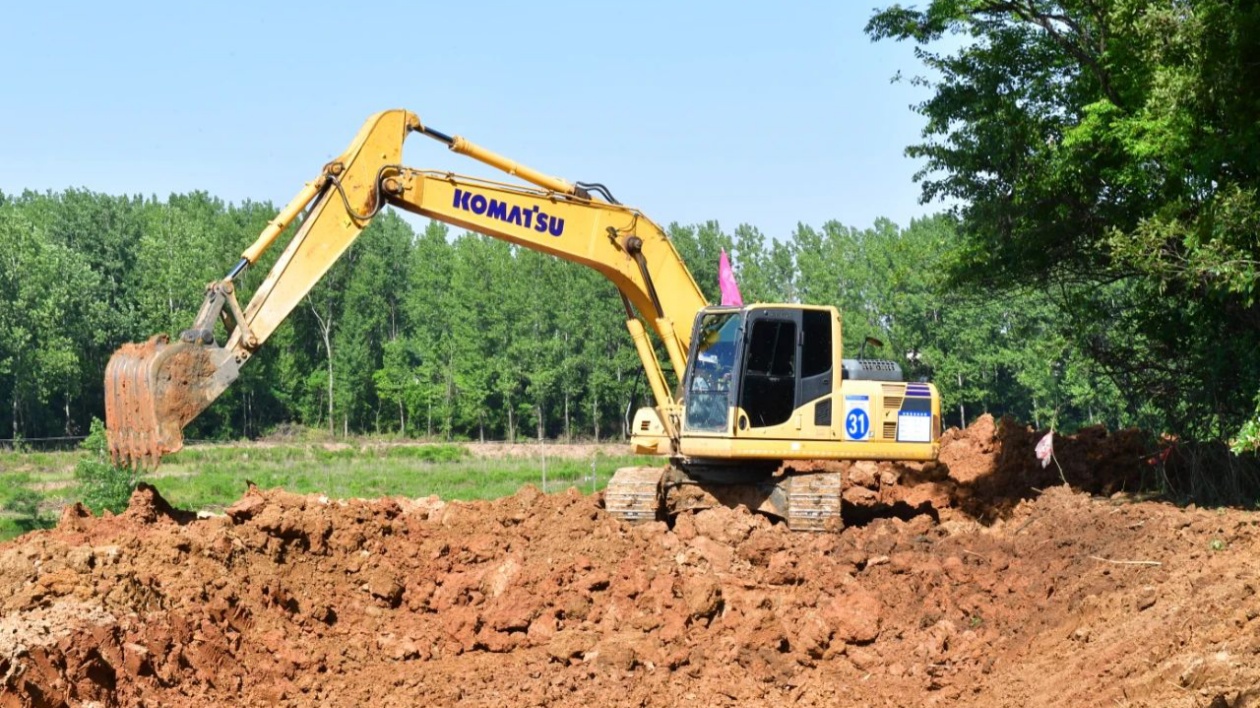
(766, 113)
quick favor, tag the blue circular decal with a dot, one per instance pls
(857, 424)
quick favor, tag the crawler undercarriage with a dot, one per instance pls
(805, 501)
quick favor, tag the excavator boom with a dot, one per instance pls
(153, 390)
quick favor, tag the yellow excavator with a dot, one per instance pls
(763, 394)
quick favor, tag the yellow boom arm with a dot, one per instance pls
(554, 217)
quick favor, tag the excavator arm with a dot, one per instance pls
(153, 390)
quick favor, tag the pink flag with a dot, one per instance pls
(1045, 449)
(726, 281)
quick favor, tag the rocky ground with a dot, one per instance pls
(979, 581)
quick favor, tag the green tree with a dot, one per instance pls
(700, 247)
(1108, 153)
(751, 262)
(43, 311)
(481, 336)
(430, 323)
(372, 314)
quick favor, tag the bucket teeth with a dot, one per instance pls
(136, 435)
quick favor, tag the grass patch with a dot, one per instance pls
(48, 466)
(213, 478)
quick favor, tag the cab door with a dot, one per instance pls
(769, 372)
(787, 372)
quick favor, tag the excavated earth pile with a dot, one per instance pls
(962, 585)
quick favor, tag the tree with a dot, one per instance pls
(751, 263)
(700, 247)
(372, 314)
(1109, 153)
(429, 326)
(474, 337)
(480, 333)
(43, 310)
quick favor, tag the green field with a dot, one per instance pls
(212, 477)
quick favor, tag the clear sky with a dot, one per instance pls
(766, 113)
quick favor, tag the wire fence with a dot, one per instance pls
(62, 443)
(49, 444)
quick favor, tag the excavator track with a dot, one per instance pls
(805, 501)
(813, 501)
(634, 494)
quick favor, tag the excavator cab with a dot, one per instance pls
(752, 368)
(770, 382)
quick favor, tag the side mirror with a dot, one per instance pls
(869, 340)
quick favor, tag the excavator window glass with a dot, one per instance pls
(816, 352)
(769, 391)
(709, 384)
(816, 355)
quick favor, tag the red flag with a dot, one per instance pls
(726, 281)
(1045, 449)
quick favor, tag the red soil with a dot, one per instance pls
(955, 584)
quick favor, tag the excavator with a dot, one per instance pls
(762, 398)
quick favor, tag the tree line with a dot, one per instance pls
(430, 333)
(1109, 154)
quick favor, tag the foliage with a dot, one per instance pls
(103, 484)
(1248, 439)
(458, 336)
(42, 311)
(1107, 153)
(24, 502)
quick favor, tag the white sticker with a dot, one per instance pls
(914, 426)
(857, 417)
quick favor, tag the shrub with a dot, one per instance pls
(103, 484)
(25, 502)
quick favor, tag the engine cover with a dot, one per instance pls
(872, 370)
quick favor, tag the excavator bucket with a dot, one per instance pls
(153, 390)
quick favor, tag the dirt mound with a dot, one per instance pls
(989, 468)
(1061, 599)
